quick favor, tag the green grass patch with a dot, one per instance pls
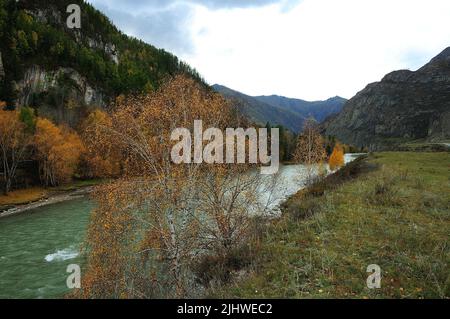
(395, 215)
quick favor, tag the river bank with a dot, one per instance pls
(29, 199)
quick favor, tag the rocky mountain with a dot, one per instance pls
(404, 106)
(279, 110)
(63, 71)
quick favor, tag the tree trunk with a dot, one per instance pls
(7, 180)
(7, 185)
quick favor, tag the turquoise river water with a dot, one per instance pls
(36, 247)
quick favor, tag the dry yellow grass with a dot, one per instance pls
(23, 196)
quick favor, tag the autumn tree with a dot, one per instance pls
(310, 150)
(337, 157)
(14, 141)
(310, 145)
(58, 150)
(102, 158)
(151, 223)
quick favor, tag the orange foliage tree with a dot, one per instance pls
(58, 150)
(102, 158)
(14, 140)
(337, 157)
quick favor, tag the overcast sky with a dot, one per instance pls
(309, 49)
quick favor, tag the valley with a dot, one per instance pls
(120, 157)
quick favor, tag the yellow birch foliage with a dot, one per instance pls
(310, 145)
(102, 157)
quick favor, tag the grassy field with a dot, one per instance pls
(395, 213)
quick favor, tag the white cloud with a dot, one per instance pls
(310, 49)
(318, 49)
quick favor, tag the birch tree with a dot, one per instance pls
(14, 141)
(158, 217)
(310, 150)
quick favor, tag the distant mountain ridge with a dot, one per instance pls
(403, 106)
(320, 110)
(280, 110)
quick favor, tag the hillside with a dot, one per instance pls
(279, 110)
(404, 106)
(260, 112)
(61, 71)
(319, 110)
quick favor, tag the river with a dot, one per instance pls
(36, 247)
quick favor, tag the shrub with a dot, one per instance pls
(384, 191)
(317, 189)
(218, 269)
(303, 208)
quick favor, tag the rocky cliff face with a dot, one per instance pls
(70, 91)
(38, 80)
(404, 106)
